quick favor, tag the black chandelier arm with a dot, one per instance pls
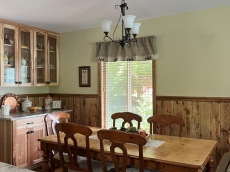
(110, 39)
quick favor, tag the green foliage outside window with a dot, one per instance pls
(137, 76)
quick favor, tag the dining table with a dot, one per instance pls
(175, 154)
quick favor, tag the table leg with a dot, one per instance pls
(211, 164)
(46, 165)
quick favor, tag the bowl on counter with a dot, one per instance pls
(40, 109)
(33, 109)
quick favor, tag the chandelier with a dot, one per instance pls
(128, 26)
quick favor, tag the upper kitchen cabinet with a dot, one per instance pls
(53, 59)
(46, 59)
(29, 56)
(9, 55)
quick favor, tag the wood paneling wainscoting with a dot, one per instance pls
(204, 116)
(85, 108)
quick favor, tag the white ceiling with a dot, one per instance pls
(71, 15)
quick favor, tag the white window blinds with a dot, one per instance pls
(126, 86)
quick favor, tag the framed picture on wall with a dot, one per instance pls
(84, 76)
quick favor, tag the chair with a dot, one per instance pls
(163, 121)
(226, 132)
(118, 139)
(127, 118)
(74, 162)
(224, 164)
(50, 121)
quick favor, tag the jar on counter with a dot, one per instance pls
(25, 104)
(48, 103)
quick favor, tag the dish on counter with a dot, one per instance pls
(33, 109)
(12, 100)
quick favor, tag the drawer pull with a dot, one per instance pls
(29, 123)
(29, 132)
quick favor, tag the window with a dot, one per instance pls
(127, 86)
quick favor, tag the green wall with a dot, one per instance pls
(193, 55)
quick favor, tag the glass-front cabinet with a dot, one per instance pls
(9, 55)
(53, 59)
(25, 58)
(40, 54)
(29, 57)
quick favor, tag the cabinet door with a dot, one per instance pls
(1, 52)
(40, 59)
(20, 153)
(25, 60)
(53, 59)
(9, 56)
(35, 154)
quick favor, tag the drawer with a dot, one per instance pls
(29, 123)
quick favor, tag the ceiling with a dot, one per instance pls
(71, 15)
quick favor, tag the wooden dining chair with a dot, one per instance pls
(118, 139)
(165, 121)
(227, 133)
(127, 118)
(68, 144)
(50, 121)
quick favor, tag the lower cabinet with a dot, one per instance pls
(19, 141)
(35, 154)
(20, 148)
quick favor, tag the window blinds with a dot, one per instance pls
(126, 86)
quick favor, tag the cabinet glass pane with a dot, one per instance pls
(53, 59)
(40, 58)
(9, 56)
(25, 57)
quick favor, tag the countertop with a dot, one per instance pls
(10, 168)
(22, 115)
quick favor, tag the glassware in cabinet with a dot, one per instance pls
(25, 56)
(53, 59)
(9, 68)
(40, 58)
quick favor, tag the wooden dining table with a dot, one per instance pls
(177, 154)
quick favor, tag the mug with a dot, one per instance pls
(5, 109)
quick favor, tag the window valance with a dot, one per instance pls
(143, 49)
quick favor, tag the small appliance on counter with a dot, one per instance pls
(56, 104)
(25, 104)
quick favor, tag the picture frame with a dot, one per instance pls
(84, 76)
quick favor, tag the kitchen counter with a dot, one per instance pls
(23, 115)
(10, 168)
